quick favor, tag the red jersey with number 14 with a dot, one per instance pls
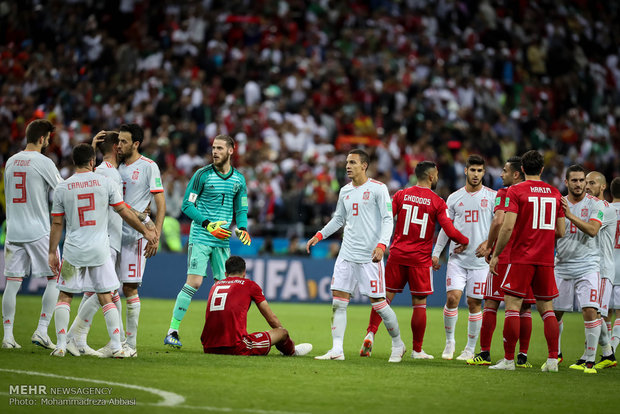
(227, 311)
(418, 209)
(538, 206)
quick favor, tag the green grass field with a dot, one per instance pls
(276, 384)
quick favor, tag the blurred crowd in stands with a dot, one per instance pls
(298, 83)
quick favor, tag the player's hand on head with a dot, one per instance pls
(243, 235)
(217, 230)
(98, 138)
(435, 261)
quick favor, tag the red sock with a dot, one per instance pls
(525, 332)
(511, 334)
(418, 326)
(375, 320)
(287, 346)
(489, 321)
(552, 331)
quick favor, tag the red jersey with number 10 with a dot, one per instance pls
(227, 311)
(538, 206)
(418, 209)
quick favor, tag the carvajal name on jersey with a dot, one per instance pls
(83, 184)
(418, 200)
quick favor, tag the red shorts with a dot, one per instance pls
(540, 279)
(420, 279)
(257, 343)
(494, 286)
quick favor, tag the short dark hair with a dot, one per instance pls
(82, 154)
(421, 170)
(37, 129)
(364, 158)
(136, 131)
(109, 140)
(230, 143)
(235, 265)
(515, 165)
(575, 168)
(615, 187)
(474, 159)
(532, 162)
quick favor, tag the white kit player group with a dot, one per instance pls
(523, 244)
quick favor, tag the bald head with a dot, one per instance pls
(596, 184)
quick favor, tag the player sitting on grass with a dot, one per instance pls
(225, 330)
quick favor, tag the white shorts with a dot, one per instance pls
(115, 257)
(582, 291)
(604, 292)
(368, 277)
(27, 259)
(475, 279)
(614, 302)
(132, 263)
(100, 279)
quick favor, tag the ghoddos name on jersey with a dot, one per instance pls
(418, 200)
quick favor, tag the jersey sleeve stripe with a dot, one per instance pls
(58, 214)
(597, 220)
(117, 204)
(157, 191)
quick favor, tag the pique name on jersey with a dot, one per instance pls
(21, 163)
(543, 190)
(418, 200)
(83, 184)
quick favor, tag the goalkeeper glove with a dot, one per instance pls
(244, 236)
(216, 229)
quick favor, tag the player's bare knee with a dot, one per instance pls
(589, 314)
(194, 281)
(474, 305)
(453, 298)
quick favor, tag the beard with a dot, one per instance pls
(222, 161)
(434, 184)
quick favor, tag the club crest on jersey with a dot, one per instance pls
(236, 187)
(584, 212)
(366, 195)
(484, 203)
(135, 175)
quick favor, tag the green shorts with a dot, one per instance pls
(199, 256)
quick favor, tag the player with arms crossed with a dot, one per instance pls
(605, 240)
(215, 194)
(365, 209)
(493, 296)
(416, 209)
(141, 182)
(535, 217)
(577, 263)
(28, 178)
(82, 200)
(471, 209)
(614, 303)
(225, 330)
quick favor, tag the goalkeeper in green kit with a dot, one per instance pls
(215, 194)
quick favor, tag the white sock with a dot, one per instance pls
(116, 299)
(110, 313)
(450, 316)
(615, 334)
(85, 297)
(593, 332)
(61, 320)
(560, 329)
(339, 323)
(603, 340)
(81, 324)
(474, 323)
(9, 300)
(389, 320)
(133, 315)
(608, 326)
(48, 303)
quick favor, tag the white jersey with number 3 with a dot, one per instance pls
(84, 199)
(28, 178)
(115, 221)
(472, 214)
(140, 179)
(576, 254)
(366, 213)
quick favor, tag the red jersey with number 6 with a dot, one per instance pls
(227, 310)
(538, 206)
(418, 209)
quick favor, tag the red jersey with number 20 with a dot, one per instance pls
(227, 311)
(538, 206)
(418, 209)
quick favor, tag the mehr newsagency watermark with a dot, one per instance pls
(45, 395)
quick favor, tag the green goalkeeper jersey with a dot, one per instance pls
(215, 197)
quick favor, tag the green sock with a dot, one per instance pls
(184, 298)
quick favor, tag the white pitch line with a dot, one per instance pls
(169, 398)
(232, 410)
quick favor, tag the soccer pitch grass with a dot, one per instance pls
(190, 381)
